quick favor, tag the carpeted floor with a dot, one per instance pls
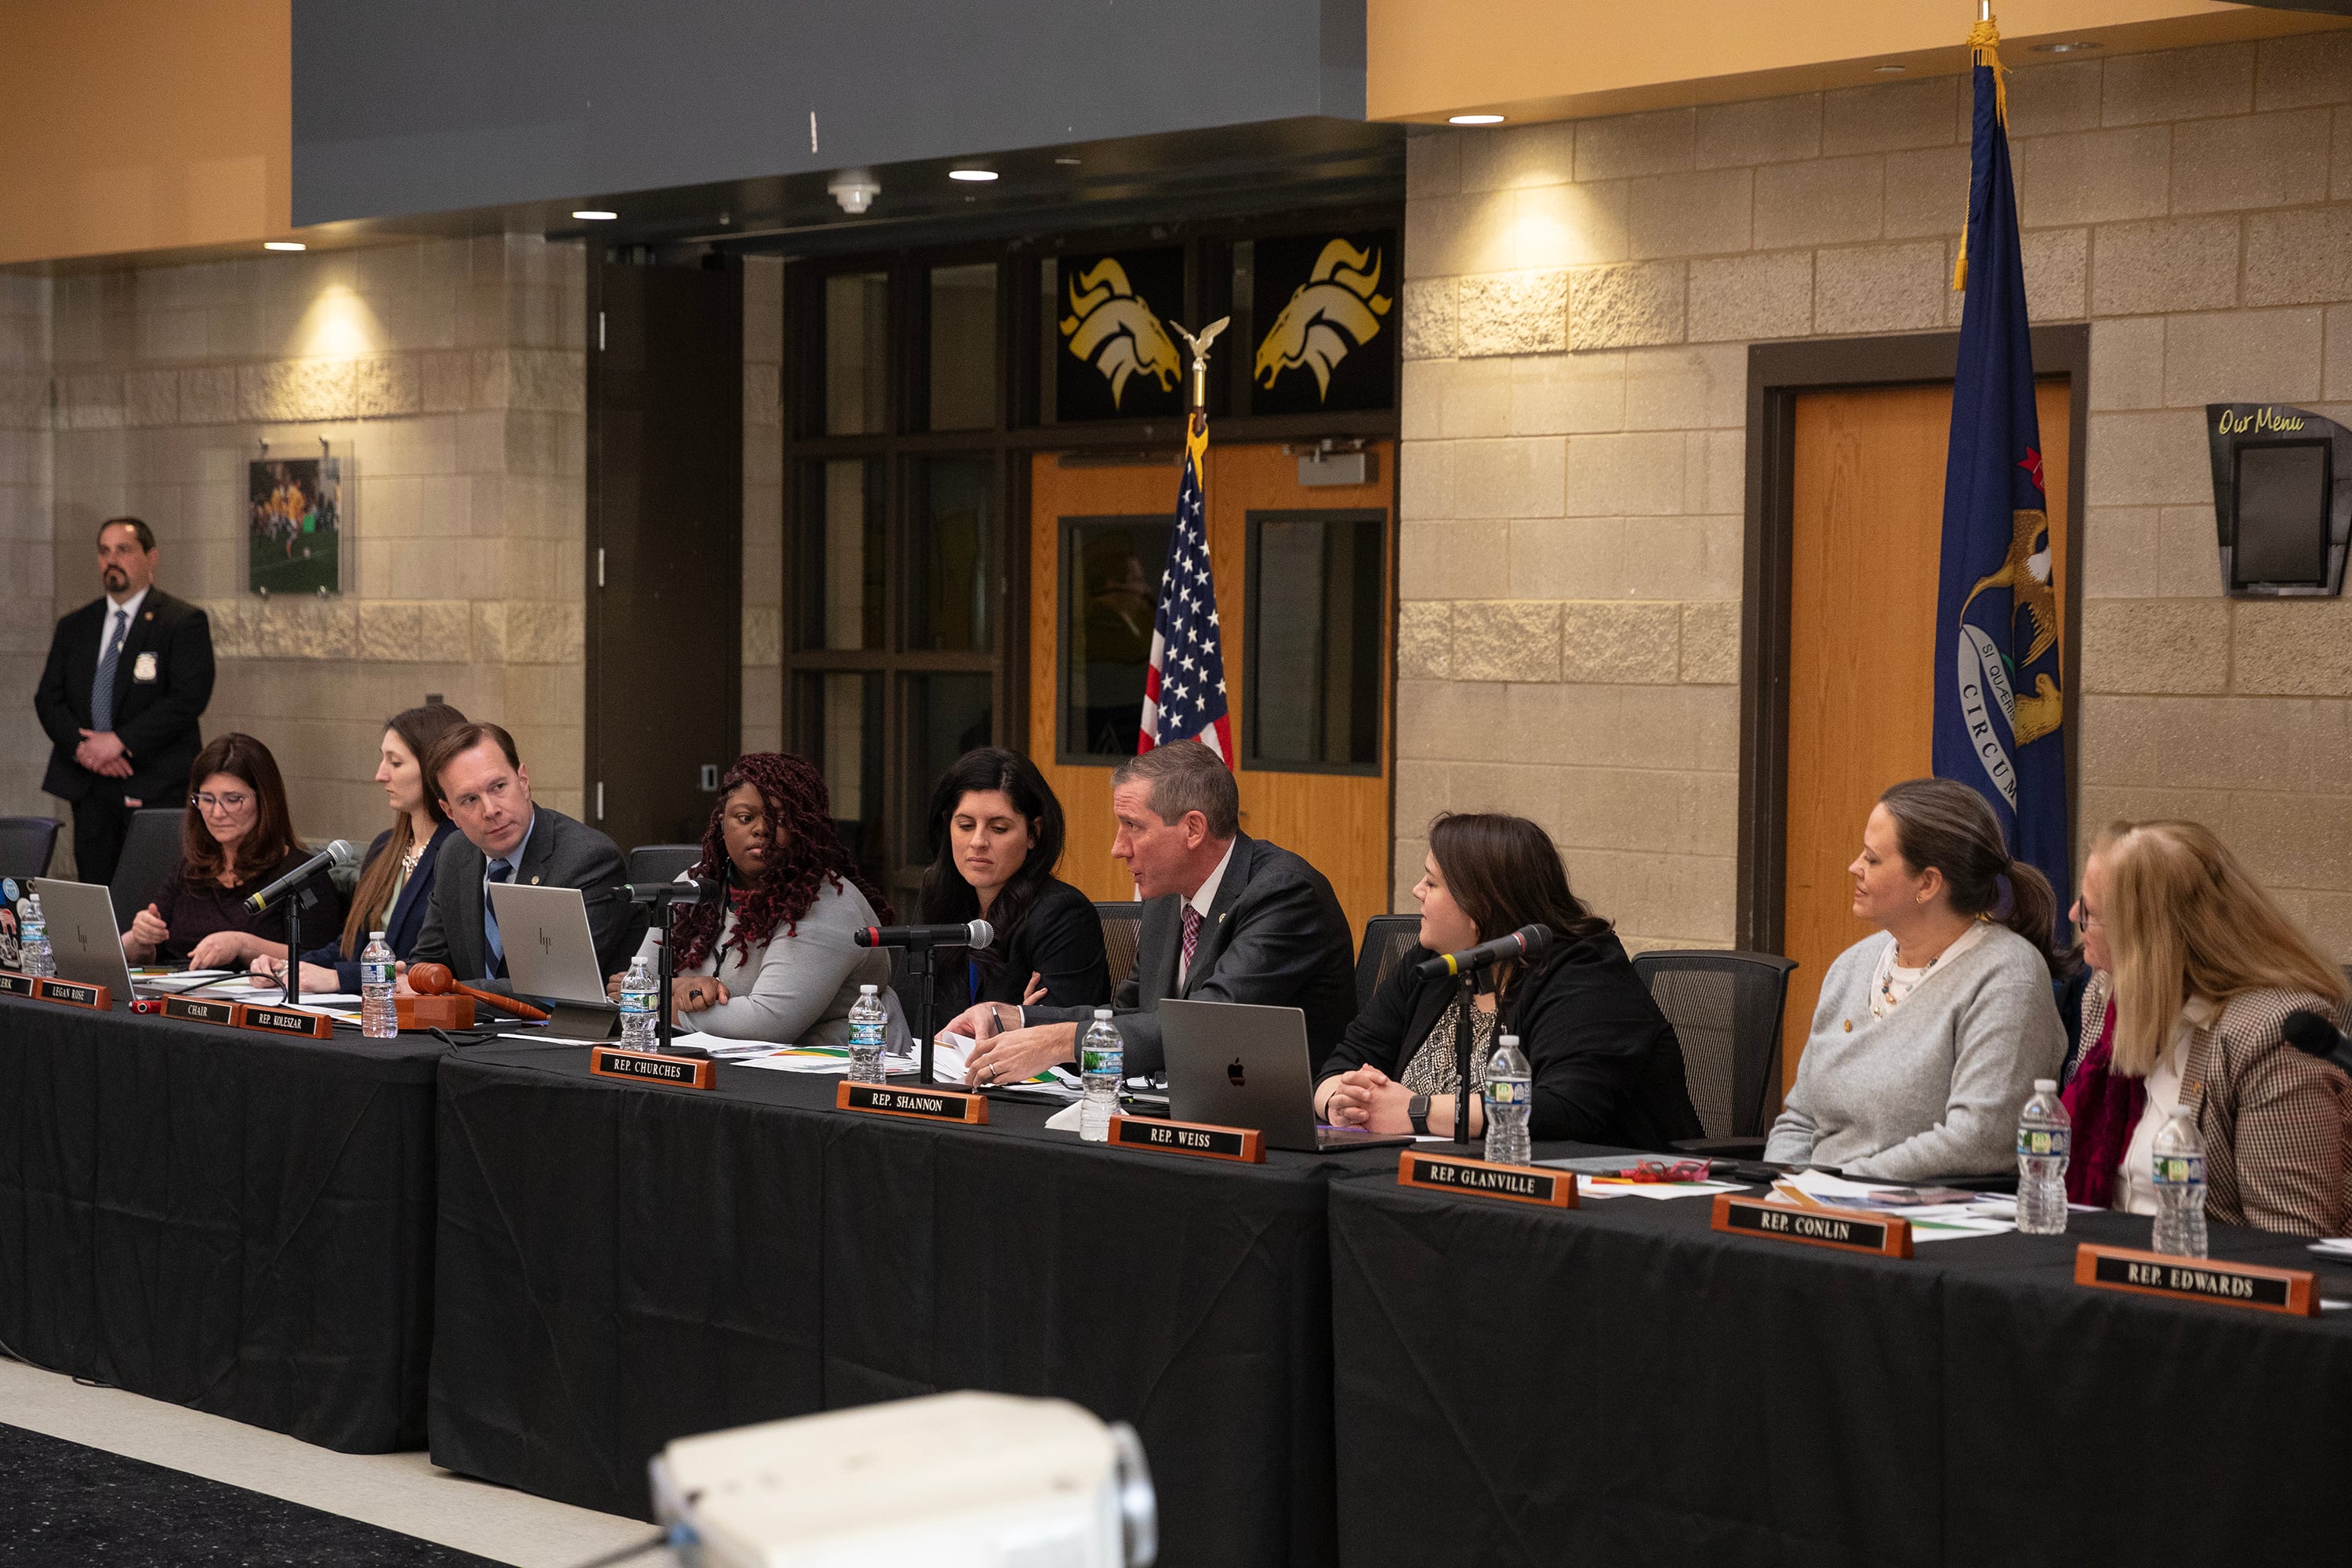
(62, 1505)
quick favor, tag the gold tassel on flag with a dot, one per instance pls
(1984, 49)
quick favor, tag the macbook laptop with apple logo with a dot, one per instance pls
(1234, 1065)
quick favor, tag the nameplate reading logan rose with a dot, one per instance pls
(1519, 1183)
(1845, 1229)
(1200, 1139)
(194, 1010)
(285, 1021)
(644, 1067)
(15, 985)
(74, 993)
(2289, 1290)
(923, 1104)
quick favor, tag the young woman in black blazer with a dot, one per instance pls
(996, 836)
(1607, 1067)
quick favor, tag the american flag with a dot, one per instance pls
(1184, 690)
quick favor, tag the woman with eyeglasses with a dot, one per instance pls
(237, 838)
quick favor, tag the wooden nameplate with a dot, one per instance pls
(297, 1021)
(435, 1011)
(1848, 1230)
(194, 1010)
(15, 985)
(2292, 1292)
(74, 993)
(646, 1067)
(933, 1104)
(1200, 1139)
(1484, 1178)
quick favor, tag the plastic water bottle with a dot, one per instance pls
(2179, 1160)
(868, 1023)
(2045, 1137)
(637, 1001)
(1509, 1102)
(1102, 1060)
(379, 1016)
(33, 939)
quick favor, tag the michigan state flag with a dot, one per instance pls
(1998, 703)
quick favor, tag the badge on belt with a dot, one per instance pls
(144, 668)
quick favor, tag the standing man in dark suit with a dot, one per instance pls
(127, 681)
(480, 781)
(1227, 918)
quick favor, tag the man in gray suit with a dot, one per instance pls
(481, 783)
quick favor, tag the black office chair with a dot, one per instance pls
(651, 863)
(1726, 1010)
(150, 849)
(1387, 939)
(1122, 928)
(26, 842)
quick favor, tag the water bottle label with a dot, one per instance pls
(1100, 1059)
(1506, 1091)
(376, 974)
(2042, 1143)
(2179, 1170)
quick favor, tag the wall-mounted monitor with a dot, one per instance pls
(2282, 499)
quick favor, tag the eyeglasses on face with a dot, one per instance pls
(229, 800)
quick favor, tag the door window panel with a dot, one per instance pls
(1110, 585)
(952, 556)
(856, 353)
(1313, 648)
(963, 347)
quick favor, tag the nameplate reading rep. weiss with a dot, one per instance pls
(680, 1072)
(1200, 1139)
(923, 1104)
(1842, 1228)
(2289, 1290)
(1482, 1178)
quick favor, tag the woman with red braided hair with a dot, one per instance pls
(778, 961)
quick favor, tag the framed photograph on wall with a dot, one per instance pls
(297, 515)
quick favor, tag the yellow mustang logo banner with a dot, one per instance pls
(1336, 310)
(1112, 329)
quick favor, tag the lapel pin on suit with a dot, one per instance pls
(534, 881)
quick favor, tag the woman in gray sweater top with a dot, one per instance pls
(1929, 1033)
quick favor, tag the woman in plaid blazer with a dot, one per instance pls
(2196, 971)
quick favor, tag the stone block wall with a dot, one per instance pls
(449, 375)
(25, 566)
(763, 504)
(1577, 303)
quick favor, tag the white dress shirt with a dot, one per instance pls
(2135, 1189)
(1203, 897)
(106, 623)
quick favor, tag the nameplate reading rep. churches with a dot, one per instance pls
(15, 985)
(73, 994)
(285, 1021)
(191, 1010)
(1200, 1139)
(923, 1104)
(2289, 1290)
(1842, 1228)
(1482, 1178)
(644, 1067)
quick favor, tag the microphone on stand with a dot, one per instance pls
(2315, 1035)
(916, 986)
(1524, 942)
(977, 933)
(338, 853)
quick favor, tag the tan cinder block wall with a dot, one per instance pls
(26, 563)
(1577, 303)
(763, 504)
(450, 375)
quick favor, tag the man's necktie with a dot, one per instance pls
(101, 690)
(1191, 938)
(500, 871)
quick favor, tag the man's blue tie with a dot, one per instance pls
(500, 871)
(101, 690)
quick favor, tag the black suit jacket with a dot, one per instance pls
(406, 920)
(156, 719)
(1605, 1064)
(562, 853)
(1060, 940)
(1274, 936)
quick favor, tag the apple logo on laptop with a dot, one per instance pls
(1235, 1073)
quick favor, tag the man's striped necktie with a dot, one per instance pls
(101, 690)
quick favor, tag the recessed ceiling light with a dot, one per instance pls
(2077, 47)
(1890, 70)
(1067, 162)
(591, 216)
(973, 176)
(283, 245)
(1473, 120)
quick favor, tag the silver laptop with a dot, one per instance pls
(82, 936)
(552, 953)
(1234, 1065)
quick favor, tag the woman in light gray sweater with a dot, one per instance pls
(1930, 1033)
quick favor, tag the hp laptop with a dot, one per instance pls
(82, 936)
(1235, 1065)
(552, 953)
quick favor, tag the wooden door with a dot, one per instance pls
(1867, 527)
(1338, 821)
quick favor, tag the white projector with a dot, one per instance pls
(953, 1480)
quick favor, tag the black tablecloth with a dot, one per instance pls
(1620, 1385)
(230, 1220)
(620, 1264)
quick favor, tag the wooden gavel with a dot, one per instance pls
(435, 980)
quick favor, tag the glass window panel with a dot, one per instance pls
(1110, 570)
(841, 732)
(947, 715)
(1314, 643)
(842, 556)
(857, 354)
(952, 582)
(963, 347)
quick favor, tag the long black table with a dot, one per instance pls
(233, 1221)
(1619, 1383)
(619, 1264)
